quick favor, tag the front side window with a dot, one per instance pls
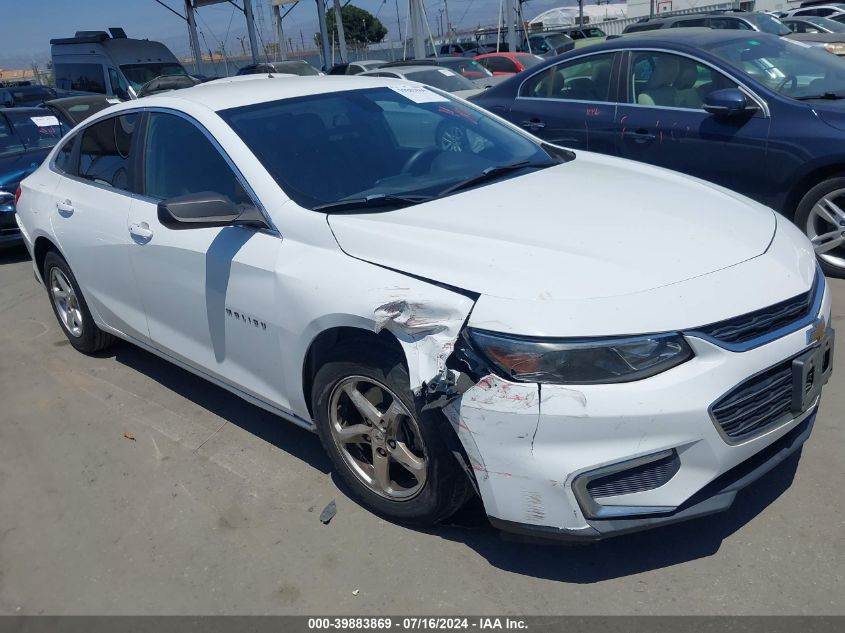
(729, 23)
(82, 77)
(583, 79)
(180, 160)
(785, 66)
(104, 152)
(378, 142)
(672, 81)
(768, 24)
(539, 45)
(686, 24)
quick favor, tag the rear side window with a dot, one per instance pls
(685, 24)
(583, 79)
(82, 77)
(180, 160)
(501, 65)
(105, 150)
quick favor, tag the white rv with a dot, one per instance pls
(110, 64)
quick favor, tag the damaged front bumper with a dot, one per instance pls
(542, 454)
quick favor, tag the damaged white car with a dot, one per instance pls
(592, 345)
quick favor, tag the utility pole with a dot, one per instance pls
(448, 22)
(581, 12)
(341, 36)
(398, 21)
(280, 32)
(511, 33)
(417, 31)
(250, 29)
(192, 35)
(324, 34)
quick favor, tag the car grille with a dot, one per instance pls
(761, 322)
(756, 403)
(638, 479)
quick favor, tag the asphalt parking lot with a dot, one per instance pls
(128, 486)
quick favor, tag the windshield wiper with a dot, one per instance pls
(830, 96)
(494, 172)
(374, 201)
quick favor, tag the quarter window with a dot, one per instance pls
(105, 149)
(584, 79)
(672, 81)
(180, 160)
(62, 161)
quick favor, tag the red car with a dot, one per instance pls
(507, 63)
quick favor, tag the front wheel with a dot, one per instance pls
(821, 215)
(393, 456)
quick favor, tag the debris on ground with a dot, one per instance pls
(356, 592)
(129, 436)
(328, 512)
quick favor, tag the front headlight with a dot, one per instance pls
(837, 48)
(584, 361)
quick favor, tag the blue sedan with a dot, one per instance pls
(762, 115)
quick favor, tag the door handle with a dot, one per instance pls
(640, 136)
(65, 208)
(141, 231)
(533, 124)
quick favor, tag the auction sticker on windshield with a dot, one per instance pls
(45, 121)
(418, 94)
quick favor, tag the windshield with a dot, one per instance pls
(467, 67)
(29, 130)
(302, 69)
(788, 67)
(530, 60)
(440, 78)
(139, 74)
(594, 32)
(405, 140)
(557, 40)
(825, 23)
(769, 24)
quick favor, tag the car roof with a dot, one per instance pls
(682, 38)
(229, 93)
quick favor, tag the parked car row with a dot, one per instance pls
(592, 345)
(755, 113)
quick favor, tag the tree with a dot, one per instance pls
(359, 26)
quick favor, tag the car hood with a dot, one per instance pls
(593, 227)
(830, 112)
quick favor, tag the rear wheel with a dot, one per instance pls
(70, 308)
(393, 456)
(821, 215)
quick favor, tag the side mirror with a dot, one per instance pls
(728, 103)
(203, 210)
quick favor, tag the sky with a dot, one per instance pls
(28, 25)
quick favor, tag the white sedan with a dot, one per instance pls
(592, 345)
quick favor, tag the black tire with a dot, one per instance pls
(802, 215)
(92, 338)
(446, 487)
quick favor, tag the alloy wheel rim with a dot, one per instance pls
(452, 139)
(826, 228)
(66, 302)
(378, 438)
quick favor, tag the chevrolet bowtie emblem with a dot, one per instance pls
(815, 333)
